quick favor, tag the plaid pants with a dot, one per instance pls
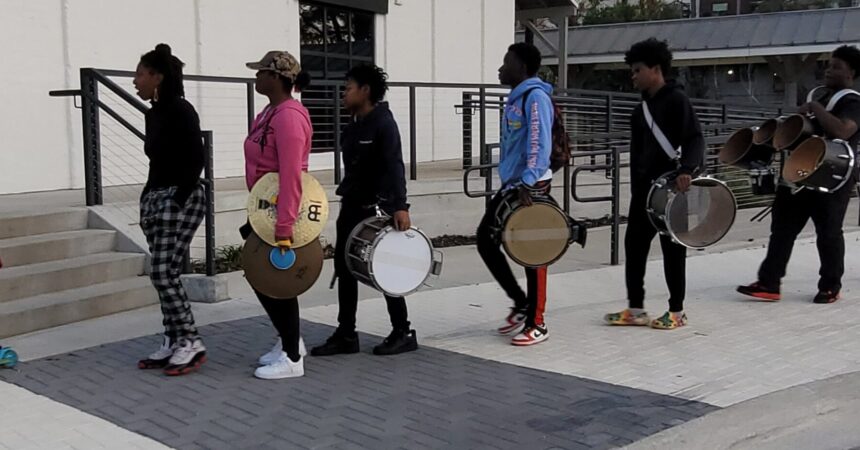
(169, 229)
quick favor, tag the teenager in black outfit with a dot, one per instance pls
(375, 176)
(791, 211)
(671, 111)
(172, 205)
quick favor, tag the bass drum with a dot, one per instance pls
(537, 235)
(695, 219)
(396, 263)
(820, 164)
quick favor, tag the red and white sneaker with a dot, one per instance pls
(513, 323)
(531, 336)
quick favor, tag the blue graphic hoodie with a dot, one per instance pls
(527, 135)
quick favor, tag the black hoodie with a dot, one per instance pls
(373, 160)
(673, 113)
(174, 145)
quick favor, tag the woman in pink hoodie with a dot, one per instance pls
(280, 141)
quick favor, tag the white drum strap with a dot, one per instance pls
(833, 100)
(673, 154)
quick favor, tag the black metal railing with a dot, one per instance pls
(91, 108)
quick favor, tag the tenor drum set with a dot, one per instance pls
(810, 161)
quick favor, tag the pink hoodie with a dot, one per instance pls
(280, 141)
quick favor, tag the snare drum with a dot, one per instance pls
(695, 219)
(820, 164)
(763, 181)
(397, 263)
(537, 235)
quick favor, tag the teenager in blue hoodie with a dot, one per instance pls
(524, 165)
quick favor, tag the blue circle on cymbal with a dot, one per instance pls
(282, 260)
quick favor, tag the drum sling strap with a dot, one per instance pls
(672, 153)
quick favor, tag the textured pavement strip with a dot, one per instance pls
(427, 399)
(734, 349)
(31, 421)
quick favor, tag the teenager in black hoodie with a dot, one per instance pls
(671, 112)
(172, 205)
(375, 176)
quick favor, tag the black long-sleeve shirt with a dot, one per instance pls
(373, 162)
(174, 146)
(672, 111)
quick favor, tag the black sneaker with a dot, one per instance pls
(397, 342)
(825, 297)
(337, 344)
(760, 291)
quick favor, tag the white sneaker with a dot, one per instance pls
(282, 368)
(277, 352)
(187, 357)
(160, 358)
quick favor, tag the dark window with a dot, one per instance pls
(333, 39)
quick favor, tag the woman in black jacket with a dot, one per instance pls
(172, 205)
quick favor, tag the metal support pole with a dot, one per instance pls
(486, 157)
(563, 28)
(413, 137)
(338, 176)
(209, 175)
(616, 207)
(249, 94)
(92, 138)
(467, 130)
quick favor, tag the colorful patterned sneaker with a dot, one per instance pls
(825, 297)
(531, 336)
(669, 321)
(760, 291)
(627, 318)
(513, 322)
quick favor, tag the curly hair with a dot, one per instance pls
(161, 60)
(650, 52)
(851, 55)
(372, 76)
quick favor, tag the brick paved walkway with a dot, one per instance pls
(428, 399)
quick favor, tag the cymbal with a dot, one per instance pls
(276, 282)
(313, 212)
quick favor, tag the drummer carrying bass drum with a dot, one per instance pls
(663, 125)
(827, 210)
(524, 165)
(375, 177)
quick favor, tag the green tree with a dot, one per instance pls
(596, 12)
(791, 5)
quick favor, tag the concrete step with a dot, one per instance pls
(36, 279)
(40, 248)
(18, 224)
(59, 308)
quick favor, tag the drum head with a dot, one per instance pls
(401, 261)
(277, 283)
(313, 212)
(703, 215)
(791, 131)
(804, 160)
(536, 235)
(764, 134)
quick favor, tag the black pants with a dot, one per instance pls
(790, 214)
(284, 313)
(347, 286)
(285, 318)
(532, 303)
(637, 244)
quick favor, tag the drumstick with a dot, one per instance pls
(762, 214)
(333, 279)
